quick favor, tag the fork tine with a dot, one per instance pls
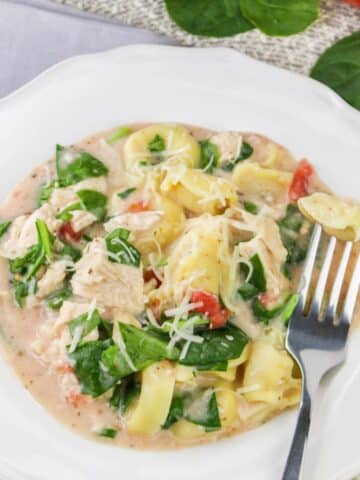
(322, 280)
(339, 279)
(351, 296)
(308, 267)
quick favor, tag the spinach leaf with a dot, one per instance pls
(74, 166)
(258, 278)
(70, 251)
(21, 291)
(157, 144)
(66, 214)
(245, 152)
(280, 17)
(126, 193)
(219, 346)
(198, 320)
(339, 68)
(195, 412)
(93, 377)
(142, 348)
(3, 227)
(120, 249)
(119, 134)
(57, 298)
(93, 202)
(284, 309)
(124, 394)
(108, 433)
(46, 192)
(212, 18)
(251, 207)
(29, 264)
(209, 156)
(45, 238)
(247, 291)
(176, 411)
(86, 322)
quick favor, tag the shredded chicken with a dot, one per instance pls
(229, 144)
(134, 221)
(52, 279)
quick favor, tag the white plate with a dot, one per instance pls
(220, 89)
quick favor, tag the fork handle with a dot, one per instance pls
(296, 454)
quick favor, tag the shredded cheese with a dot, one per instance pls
(119, 341)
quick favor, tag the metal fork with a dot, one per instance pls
(317, 341)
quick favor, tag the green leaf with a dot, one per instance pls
(93, 202)
(93, 378)
(198, 320)
(211, 18)
(126, 193)
(207, 417)
(4, 227)
(245, 152)
(30, 263)
(124, 394)
(45, 238)
(121, 250)
(86, 323)
(142, 348)
(219, 346)
(283, 309)
(209, 157)
(70, 251)
(74, 166)
(46, 192)
(120, 133)
(108, 433)
(157, 144)
(66, 214)
(339, 68)
(251, 207)
(280, 17)
(57, 298)
(21, 291)
(176, 411)
(258, 278)
(247, 291)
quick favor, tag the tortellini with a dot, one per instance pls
(253, 179)
(227, 403)
(337, 216)
(185, 430)
(179, 147)
(268, 376)
(199, 192)
(157, 389)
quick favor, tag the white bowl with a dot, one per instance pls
(216, 88)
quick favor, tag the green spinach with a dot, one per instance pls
(176, 411)
(57, 298)
(157, 144)
(124, 393)
(120, 249)
(74, 166)
(209, 157)
(214, 18)
(284, 309)
(4, 227)
(251, 207)
(280, 17)
(108, 433)
(339, 68)
(245, 153)
(126, 193)
(46, 192)
(86, 322)
(209, 417)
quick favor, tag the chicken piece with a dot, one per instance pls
(52, 279)
(134, 221)
(82, 219)
(229, 145)
(109, 283)
(22, 233)
(63, 197)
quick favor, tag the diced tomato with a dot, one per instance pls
(268, 299)
(354, 3)
(140, 206)
(68, 234)
(210, 307)
(76, 399)
(149, 275)
(300, 184)
(155, 306)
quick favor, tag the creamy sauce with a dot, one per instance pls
(19, 327)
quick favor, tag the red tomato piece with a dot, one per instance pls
(354, 3)
(149, 275)
(140, 206)
(268, 299)
(68, 234)
(210, 307)
(300, 184)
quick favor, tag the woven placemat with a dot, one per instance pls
(297, 52)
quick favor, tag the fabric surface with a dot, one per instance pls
(297, 52)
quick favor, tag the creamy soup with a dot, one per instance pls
(148, 275)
